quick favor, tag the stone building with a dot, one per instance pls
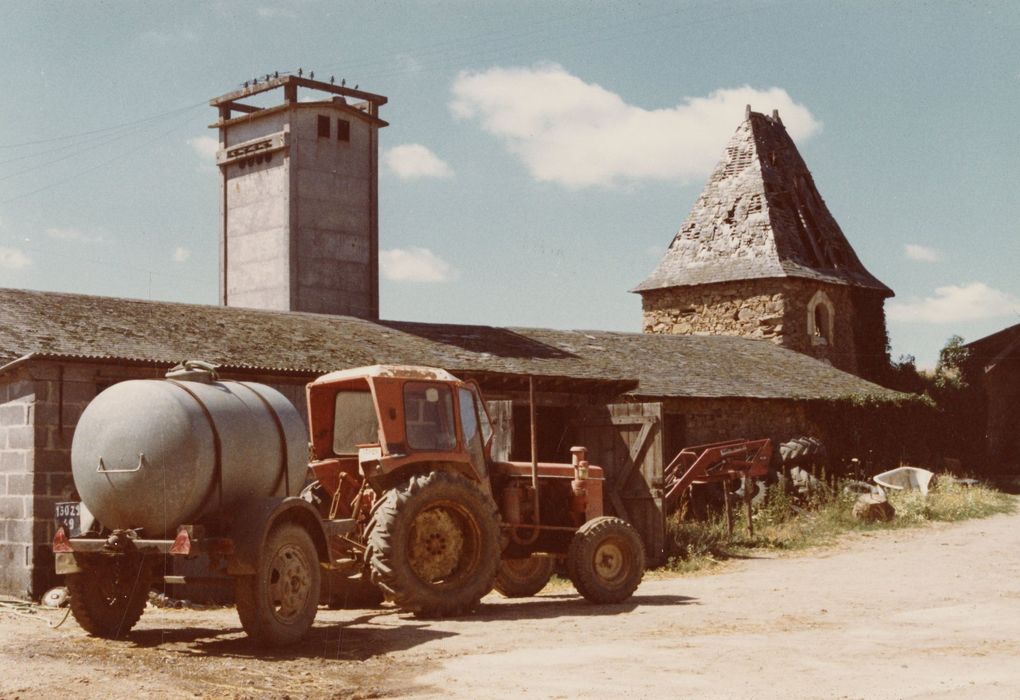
(760, 256)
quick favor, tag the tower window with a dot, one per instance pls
(323, 127)
(343, 130)
(821, 313)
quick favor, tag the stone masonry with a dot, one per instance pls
(761, 256)
(775, 309)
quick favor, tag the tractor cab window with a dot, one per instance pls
(470, 425)
(355, 422)
(483, 416)
(428, 410)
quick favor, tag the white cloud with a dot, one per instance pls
(954, 303)
(920, 253)
(73, 235)
(13, 259)
(414, 265)
(205, 146)
(181, 254)
(412, 160)
(579, 134)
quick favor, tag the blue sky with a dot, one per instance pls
(540, 156)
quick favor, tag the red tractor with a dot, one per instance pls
(404, 453)
(406, 501)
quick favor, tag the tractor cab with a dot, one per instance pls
(377, 421)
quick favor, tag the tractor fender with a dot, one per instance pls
(252, 520)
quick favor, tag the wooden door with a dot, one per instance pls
(625, 439)
(502, 415)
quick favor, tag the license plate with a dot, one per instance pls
(69, 515)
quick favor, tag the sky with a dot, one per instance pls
(540, 156)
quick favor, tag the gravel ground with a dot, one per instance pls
(930, 613)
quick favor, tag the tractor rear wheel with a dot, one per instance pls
(606, 560)
(108, 599)
(278, 604)
(433, 544)
(522, 578)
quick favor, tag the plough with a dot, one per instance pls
(716, 462)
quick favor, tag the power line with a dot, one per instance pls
(121, 135)
(99, 165)
(105, 128)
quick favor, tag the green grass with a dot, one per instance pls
(783, 524)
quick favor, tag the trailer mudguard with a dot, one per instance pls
(252, 520)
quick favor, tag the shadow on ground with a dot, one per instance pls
(381, 631)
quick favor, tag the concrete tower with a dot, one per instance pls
(761, 256)
(299, 210)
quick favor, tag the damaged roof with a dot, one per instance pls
(760, 216)
(70, 326)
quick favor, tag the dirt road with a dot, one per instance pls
(921, 613)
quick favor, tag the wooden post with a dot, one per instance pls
(748, 484)
(729, 509)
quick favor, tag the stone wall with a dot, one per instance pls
(713, 420)
(777, 309)
(752, 309)
(840, 349)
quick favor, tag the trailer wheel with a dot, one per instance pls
(108, 599)
(606, 560)
(522, 578)
(433, 544)
(278, 604)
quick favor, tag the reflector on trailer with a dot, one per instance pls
(61, 544)
(182, 543)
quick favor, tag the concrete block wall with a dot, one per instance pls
(336, 230)
(17, 482)
(300, 226)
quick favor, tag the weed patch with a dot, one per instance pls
(819, 518)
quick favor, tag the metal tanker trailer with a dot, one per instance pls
(152, 454)
(192, 466)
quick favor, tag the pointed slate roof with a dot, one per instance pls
(760, 216)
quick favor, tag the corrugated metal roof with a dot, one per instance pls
(92, 327)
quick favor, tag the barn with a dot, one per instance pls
(751, 349)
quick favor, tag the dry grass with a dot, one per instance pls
(783, 524)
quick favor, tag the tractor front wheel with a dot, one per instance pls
(433, 544)
(606, 560)
(522, 578)
(278, 604)
(107, 599)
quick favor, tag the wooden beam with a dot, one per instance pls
(238, 107)
(294, 81)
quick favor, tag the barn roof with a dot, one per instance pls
(760, 216)
(80, 327)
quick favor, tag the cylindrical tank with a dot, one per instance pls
(154, 454)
